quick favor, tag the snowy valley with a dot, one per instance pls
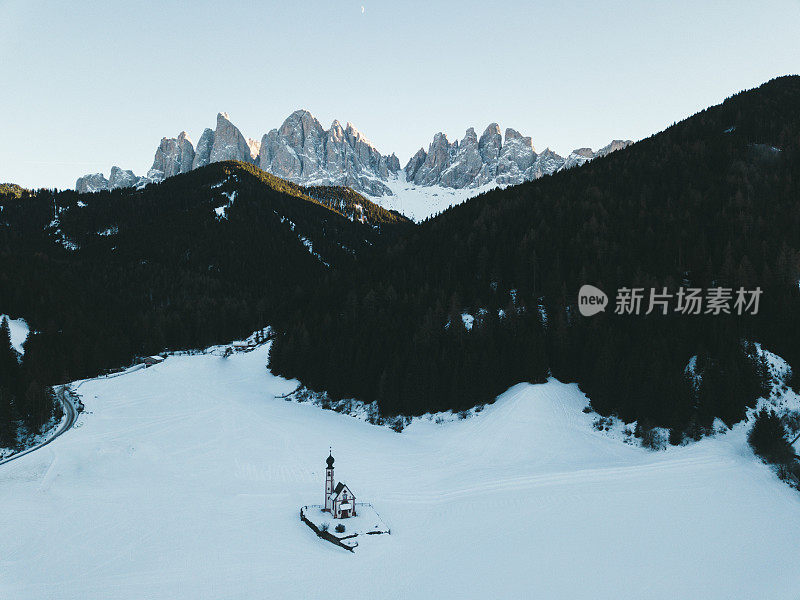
(443, 350)
(183, 480)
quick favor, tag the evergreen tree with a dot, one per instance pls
(768, 438)
(8, 434)
(37, 408)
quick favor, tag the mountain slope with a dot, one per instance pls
(200, 257)
(300, 150)
(710, 201)
(303, 151)
(12, 189)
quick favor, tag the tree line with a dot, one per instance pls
(103, 278)
(711, 201)
(375, 310)
(26, 405)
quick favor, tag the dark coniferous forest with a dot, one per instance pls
(199, 259)
(368, 305)
(711, 201)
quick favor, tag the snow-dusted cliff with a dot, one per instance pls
(303, 151)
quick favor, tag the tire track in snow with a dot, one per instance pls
(599, 475)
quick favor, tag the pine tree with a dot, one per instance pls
(768, 438)
(7, 425)
(9, 386)
(38, 407)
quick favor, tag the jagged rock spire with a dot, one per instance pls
(302, 150)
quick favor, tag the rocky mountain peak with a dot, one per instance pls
(613, 147)
(490, 143)
(173, 156)
(355, 136)
(122, 178)
(94, 182)
(578, 157)
(512, 135)
(303, 151)
(414, 164)
(491, 159)
(203, 152)
(229, 143)
(492, 129)
(119, 178)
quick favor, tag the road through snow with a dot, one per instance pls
(70, 416)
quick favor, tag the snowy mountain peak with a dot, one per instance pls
(492, 129)
(93, 182)
(229, 143)
(512, 135)
(477, 162)
(303, 151)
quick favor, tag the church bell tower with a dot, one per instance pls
(329, 482)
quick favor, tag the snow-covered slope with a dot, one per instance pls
(19, 332)
(184, 481)
(419, 202)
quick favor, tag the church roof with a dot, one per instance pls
(339, 487)
(330, 461)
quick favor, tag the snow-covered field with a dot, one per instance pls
(184, 481)
(419, 202)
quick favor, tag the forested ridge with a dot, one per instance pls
(200, 258)
(711, 201)
(369, 306)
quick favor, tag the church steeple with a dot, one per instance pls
(329, 480)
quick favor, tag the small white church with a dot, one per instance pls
(340, 503)
(339, 500)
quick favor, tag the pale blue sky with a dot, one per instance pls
(91, 84)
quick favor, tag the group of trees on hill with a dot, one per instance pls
(25, 404)
(375, 310)
(110, 276)
(710, 202)
(768, 438)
